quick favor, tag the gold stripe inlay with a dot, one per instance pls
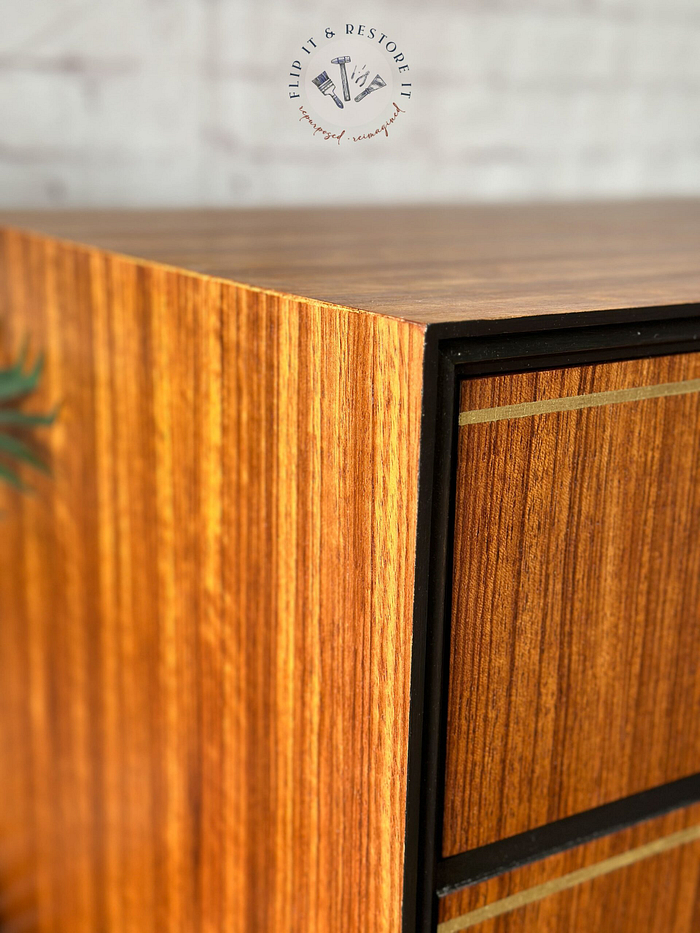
(577, 402)
(574, 878)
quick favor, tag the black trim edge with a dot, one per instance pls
(414, 840)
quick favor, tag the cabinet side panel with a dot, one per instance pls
(206, 610)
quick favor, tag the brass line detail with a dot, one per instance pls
(574, 878)
(577, 402)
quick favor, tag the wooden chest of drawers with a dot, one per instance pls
(364, 594)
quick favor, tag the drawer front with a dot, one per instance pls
(575, 644)
(641, 880)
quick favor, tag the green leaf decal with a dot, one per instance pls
(13, 447)
(16, 383)
(24, 419)
(11, 477)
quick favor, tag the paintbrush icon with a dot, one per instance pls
(376, 83)
(327, 88)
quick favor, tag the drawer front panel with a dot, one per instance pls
(575, 645)
(645, 879)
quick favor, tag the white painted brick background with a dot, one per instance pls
(180, 102)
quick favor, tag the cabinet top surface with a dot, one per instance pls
(423, 264)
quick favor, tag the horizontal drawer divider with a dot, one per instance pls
(476, 865)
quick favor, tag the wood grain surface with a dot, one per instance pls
(206, 613)
(657, 894)
(425, 264)
(575, 638)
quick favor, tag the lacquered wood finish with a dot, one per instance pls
(576, 602)
(206, 613)
(425, 264)
(656, 892)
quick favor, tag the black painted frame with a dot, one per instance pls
(454, 352)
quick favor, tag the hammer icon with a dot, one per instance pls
(343, 74)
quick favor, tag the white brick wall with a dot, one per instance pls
(178, 102)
